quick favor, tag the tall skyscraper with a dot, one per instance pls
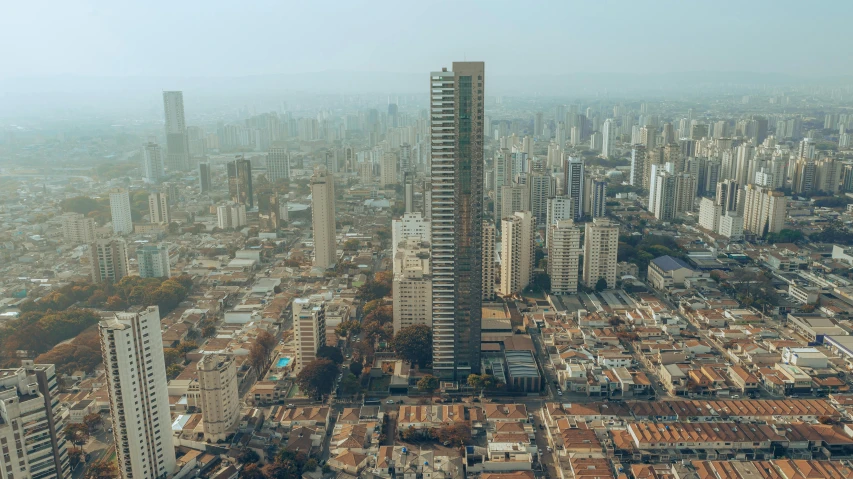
(177, 146)
(309, 330)
(152, 165)
(608, 134)
(158, 208)
(278, 164)
(388, 169)
(220, 402)
(489, 237)
(268, 211)
(663, 196)
(648, 137)
(764, 210)
(323, 218)
(132, 349)
(108, 259)
(574, 183)
(728, 193)
(598, 198)
(685, 193)
(120, 212)
(601, 241)
(32, 425)
(153, 261)
(517, 252)
(240, 182)
(638, 161)
(456, 127)
(542, 187)
(204, 177)
(564, 249)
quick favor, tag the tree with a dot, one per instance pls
(363, 352)
(187, 346)
(174, 371)
(457, 434)
(257, 358)
(248, 456)
(310, 465)
(92, 421)
(356, 367)
(267, 342)
(482, 381)
(317, 377)
(252, 471)
(414, 344)
(350, 383)
(172, 356)
(428, 384)
(347, 328)
(75, 455)
(208, 331)
(351, 244)
(77, 434)
(600, 285)
(330, 352)
(101, 469)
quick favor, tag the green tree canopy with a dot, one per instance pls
(317, 377)
(414, 344)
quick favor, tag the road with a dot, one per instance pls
(100, 445)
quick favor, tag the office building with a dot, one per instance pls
(32, 424)
(218, 395)
(108, 260)
(564, 249)
(309, 330)
(177, 146)
(573, 184)
(152, 163)
(517, 252)
(598, 197)
(231, 216)
(132, 349)
(158, 208)
(412, 287)
(601, 241)
(388, 169)
(489, 260)
(77, 229)
(204, 177)
(456, 149)
(240, 182)
(269, 211)
(764, 210)
(120, 212)
(323, 218)
(153, 261)
(278, 164)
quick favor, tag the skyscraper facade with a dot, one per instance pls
(108, 259)
(574, 185)
(601, 241)
(153, 261)
(564, 249)
(489, 237)
(309, 330)
(158, 208)
(120, 212)
(240, 182)
(598, 198)
(152, 166)
(323, 218)
(456, 136)
(177, 146)
(764, 210)
(204, 177)
(517, 252)
(278, 164)
(220, 402)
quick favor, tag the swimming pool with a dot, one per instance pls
(282, 362)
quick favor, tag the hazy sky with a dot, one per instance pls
(237, 38)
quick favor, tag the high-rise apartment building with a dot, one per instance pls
(542, 187)
(309, 330)
(515, 197)
(132, 349)
(412, 287)
(32, 424)
(828, 175)
(240, 182)
(77, 229)
(662, 196)
(648, 137)
(503, 177)
(805, 171)
(728, 195)
(709, 214)
(685, 193)
(456, 149)
(564, 249)
(158, 208)
(120, 212)
(153, 261)
(220, 402)
(231, 216)
(517, 252)
(409, 226)
(177, 146)
(278, 164)
(323, 218)
(608, 134)
(204, 182)
(108, 259)
(598, 198)
(638, 160)
(601, 243)
(764, 210)
(489, 260)
(388, 169)
(573, 184)
(152, 163)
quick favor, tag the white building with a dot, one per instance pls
(489, 261)
(231, 216)
(153, 261)
(731, 226)
(132, 349)
(220, 402)
(608, 135)
(77, 229)
(152, 165)
(309, 330)
(388, 169)
(120, 212)
(108, 259)
(410, 226)
(323, 218)
(564, 249)
(559, 208)
(601, 241)
(158, 208)
(764, 210)
(709, 214)
(517, 252)
(412, 286)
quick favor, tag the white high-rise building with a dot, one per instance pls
(600, 247)
(489, 261)
(158, 208)
(515, 198)
(412, 287)
(564, 249)
(108, 259)
(517, 252)
(177, 144)
(709, 214)
(574, 183)
(77, 229)
(608, 134)
(503, 177)
(278, 164)
(231, 216)
(32, 424)
(323, 219)
(120, 212)
(685, 193)
(152, 164)
(132, 349)
(309, 330)
(153, 261)
(388, 169)
(731, 226)
(559, 208)
(764, 210)
(218, 394)
(664, 196)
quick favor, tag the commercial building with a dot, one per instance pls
(323, 218)
(665, 272)
(456, 149)
(32, 424)
(132, 349)
(517, 252)
(120, 212)
(158, 208)
(220, 402)
(240, 182)
(601, 241)
(108, 259)
(564, 249)
(153, 261)
(309, 330)
(204, 177)
(177, 146)
(77, 229)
